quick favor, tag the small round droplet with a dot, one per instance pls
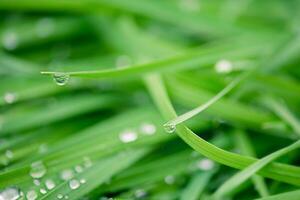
(66, 174)
(66, 197)
(74, 184)
(205, 164)
(10, 194)
(36, 182)
(128, 136)
(87, 162)
(140, 194)
(10, 40)
(78, 169)
(59, 196)
(10, 97)
(31, 195)
(38, 169)
(170, 180)
(9, 154)
(223, 66)
(148, 129)
(61, 78)
(49, 184)
(82, 181)
(43, 191)
(170, 128)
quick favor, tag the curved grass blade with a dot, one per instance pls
(293, 195)
(246, 173)
(282, 172)
(204, 106)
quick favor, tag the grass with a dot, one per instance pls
(90, 92)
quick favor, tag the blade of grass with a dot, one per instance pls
(293, 195)
(246, 173)
(196, 111)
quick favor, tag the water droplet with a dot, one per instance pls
(223, 66)
(205, 164)
(49, 184)
(66, 174)
(10, 194)
(44, 27)
(123, 61)
(43, 191)
(169, 179)
(9, 154)
(61, 78)
(66, 197)
(10, 40)
(36, 182)
(170, 128)
(59, 196)
(78, 169)
(140, 194)
(87, 162)
(31, 195)
(74, 184)
(38, 169)
(82, 181)
(128, 136)
(148, 129)
(10, 97)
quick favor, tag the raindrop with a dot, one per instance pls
(170, 180)
(31, 195)
(74, 184)
(223, 66)
(66, 174)
(9, 154)
(43, 191)
(44, 27)
(10, 97)
(10, 40)
(38, 169)
(140, 193)
(59, 196)
(61, 78)
(82, 181)
(170, 128)
(205, 164)
(10, 194)
(148, 129)
(128, 136)
(87, 162)
(36, 182)
(78, 169)
(66, 197)
(49, 184)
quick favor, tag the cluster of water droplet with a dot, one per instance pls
(131, 135)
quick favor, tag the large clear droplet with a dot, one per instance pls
(49, 184)
(74, 184)
(10, 194)
(38, 170)
(31, 195)
(43, 191)
(61, 78)
(170, 128)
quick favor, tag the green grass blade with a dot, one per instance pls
(246, 173)
(293, 195)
